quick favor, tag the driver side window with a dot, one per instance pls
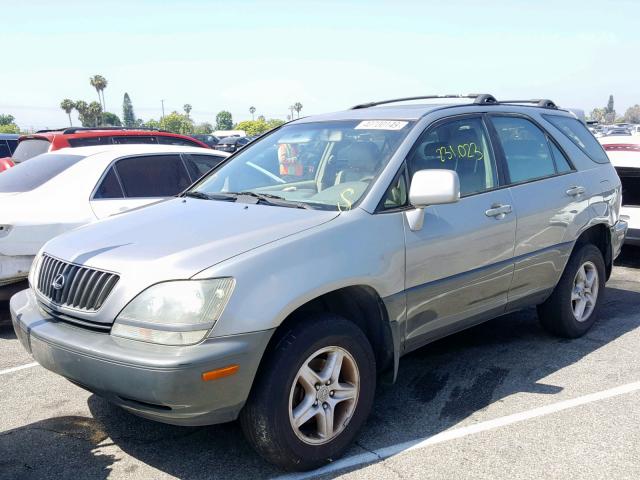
(460, 145)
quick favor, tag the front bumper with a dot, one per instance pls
(159, 382)
(14, 268)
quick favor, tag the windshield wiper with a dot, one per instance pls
(271, 199)
(209, 196)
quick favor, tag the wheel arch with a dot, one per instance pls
(600, 236)
(360, 304)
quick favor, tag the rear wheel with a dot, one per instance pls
(312, 394)
(573, 307)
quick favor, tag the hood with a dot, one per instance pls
(180, 237)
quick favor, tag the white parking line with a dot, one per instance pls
(15, 369)
(445, 436)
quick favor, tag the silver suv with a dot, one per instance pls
(283, 284)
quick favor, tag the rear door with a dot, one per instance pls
(550, 198)
(137, 181)
(460, 264)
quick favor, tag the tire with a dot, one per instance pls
(558, 313)
(267, 418)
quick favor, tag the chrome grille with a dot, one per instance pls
(74, 286)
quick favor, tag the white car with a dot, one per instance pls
(624, 153)
(58, 191)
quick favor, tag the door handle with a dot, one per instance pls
(498, 211)
(575, 191)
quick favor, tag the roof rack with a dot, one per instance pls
(479, 99)
(539, 102)
(71, 130)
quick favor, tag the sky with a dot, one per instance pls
(327, 55)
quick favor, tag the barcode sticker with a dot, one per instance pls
(381, 125)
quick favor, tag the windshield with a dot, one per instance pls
(326, 165)
(29, 148)
(38, 170)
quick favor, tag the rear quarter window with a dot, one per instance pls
(573, 129)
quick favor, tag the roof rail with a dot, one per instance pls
(539, 102)
(479, 99)
(71, 130)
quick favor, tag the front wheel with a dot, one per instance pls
(573, 307)
(312, 395)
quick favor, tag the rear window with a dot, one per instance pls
(37, 171)
(580, 136)
(168, 140)
(29, 148)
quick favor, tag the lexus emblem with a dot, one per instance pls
(58, 282)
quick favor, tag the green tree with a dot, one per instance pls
(111, 119)
(99, 83)
(177, 123)
(297, 107)
(610, 115)
(151, 123)
(598, 114)
(67, 105)
(252, 111)
(204, 128)
(128, 117)
(258, 127)
(224, 120)
(261, 118)
(94, 111)
(274, 123)
(6, 119)
(632, 115)
(82, 108)
(187, 109)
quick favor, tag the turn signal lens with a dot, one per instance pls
(220, 373)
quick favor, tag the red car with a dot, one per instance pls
(48, 140)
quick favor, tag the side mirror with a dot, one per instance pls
(431, 187)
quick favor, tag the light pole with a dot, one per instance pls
(162, 101)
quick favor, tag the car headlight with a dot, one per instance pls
(174, 313)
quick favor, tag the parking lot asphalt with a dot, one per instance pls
(501, 400)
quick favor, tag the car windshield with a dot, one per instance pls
(38, 170)
(327, 165)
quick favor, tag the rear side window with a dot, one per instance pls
(109, 187)
(198, 165)
(29, 148)
(562, 164)
(162, 140)
(4, 149)
(13, 144)
(34, 173)
(152, 176)
(525, 148)
(580, 136)
(89, 141)
(133, 139)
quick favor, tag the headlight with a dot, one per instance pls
(174, 313)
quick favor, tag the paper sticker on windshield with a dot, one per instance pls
(381, 125)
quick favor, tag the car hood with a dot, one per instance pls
(180, 237)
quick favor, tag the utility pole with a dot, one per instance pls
(162, 101)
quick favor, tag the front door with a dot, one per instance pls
(459, 266)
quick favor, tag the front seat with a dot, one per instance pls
(358, 162)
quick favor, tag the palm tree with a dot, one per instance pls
(99, 83)
(252, 110)
(187, 109)
(297, 107)
(67, 105)
(292, 108)
(95, 113)
(82, 107)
